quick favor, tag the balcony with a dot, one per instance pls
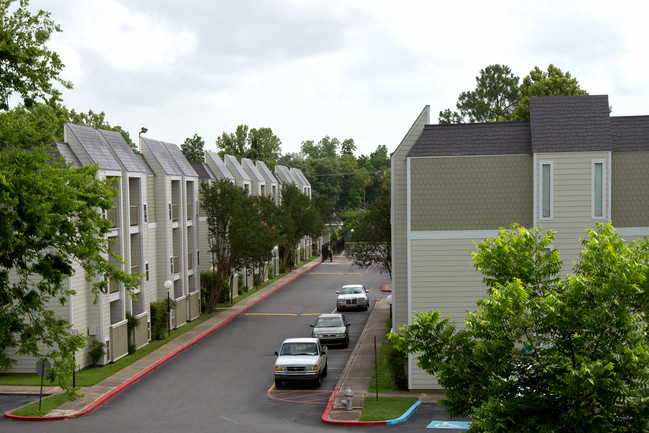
(113, 286)
(189, 211)
(190, 262)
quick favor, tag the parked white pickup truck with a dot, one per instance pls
(299, 360)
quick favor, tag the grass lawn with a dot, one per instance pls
(91, 376)
(386, 408)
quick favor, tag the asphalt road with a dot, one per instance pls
(225, 383)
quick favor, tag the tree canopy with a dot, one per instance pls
(498, 97)
(27, 66)
(192, 148)
(544, 352)
(259, 144)
(494, 98)
(50, 229)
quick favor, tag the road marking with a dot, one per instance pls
(450, 425)
(271, 314)
(318, 397)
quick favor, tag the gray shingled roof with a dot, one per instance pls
(132, 162)
(214, 162)
(265, 171)
(283, 174)
(182, 163)
(61, 150)
(201, 169)
(160, 154)
(630, 133)
(570, 123)
(96, 149)
(252, 170)
(299, 176)
(231, 161)
(502, 138)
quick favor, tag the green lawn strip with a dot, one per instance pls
(386, 408)
(386, 384)
(47, 404)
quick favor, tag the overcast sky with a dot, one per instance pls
(360, 69)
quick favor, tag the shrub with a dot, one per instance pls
(97, 352)
(160, 319)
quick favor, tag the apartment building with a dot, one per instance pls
(571, 166)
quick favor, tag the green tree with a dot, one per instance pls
(542, 83)
(264, 146)
(192, 148)
(50, 223)
(297, 217)
(494, 98)
(372, 238)
(27, 66)
(544, 353)
(235, 144)
(222, 202)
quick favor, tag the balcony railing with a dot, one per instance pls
(135, 269)
(189, 211)
(190, 262)
(175, 265)
(113, 286)
(174, 212)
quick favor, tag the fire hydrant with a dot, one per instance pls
(348, 400)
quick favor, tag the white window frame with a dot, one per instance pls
(542, 191)
(145, 212)
(602, 190)
(146, 271)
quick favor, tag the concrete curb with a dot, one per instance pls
(112, 393)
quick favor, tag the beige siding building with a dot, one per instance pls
(568, 168)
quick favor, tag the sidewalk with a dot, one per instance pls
(357, 374)
(95, 396)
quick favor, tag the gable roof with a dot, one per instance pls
(501, 138)
(217, 166)
(231, 161)
(202, 170)
(180, 160)
(570, 123)
(61, 150)
(265, 171)
(283, 174)
(630, 133)
(251, 169)
(90, 141)
(132, 162)
(159, 152)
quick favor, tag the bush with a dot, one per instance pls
(97, 352)
(160, 319)
(208, 281)
(397, 361)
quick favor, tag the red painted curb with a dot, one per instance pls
(112, 393)
(327, 420)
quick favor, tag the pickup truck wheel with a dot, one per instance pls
(324, 371)
(318, 381)
(278, 383)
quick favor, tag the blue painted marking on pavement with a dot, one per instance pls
(406, 415)
(450, 425)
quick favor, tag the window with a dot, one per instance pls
(145, 213)
(198, 258)
(146, 270)
(170, 212)
(171, 264)
(598, 195)
(546, 190)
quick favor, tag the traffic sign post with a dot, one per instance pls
(42, 365)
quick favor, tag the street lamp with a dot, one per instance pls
(168, 285)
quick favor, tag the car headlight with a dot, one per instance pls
(312, 367)
(317, 335)
(280, 368)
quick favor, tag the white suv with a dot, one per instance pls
(299, 360)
